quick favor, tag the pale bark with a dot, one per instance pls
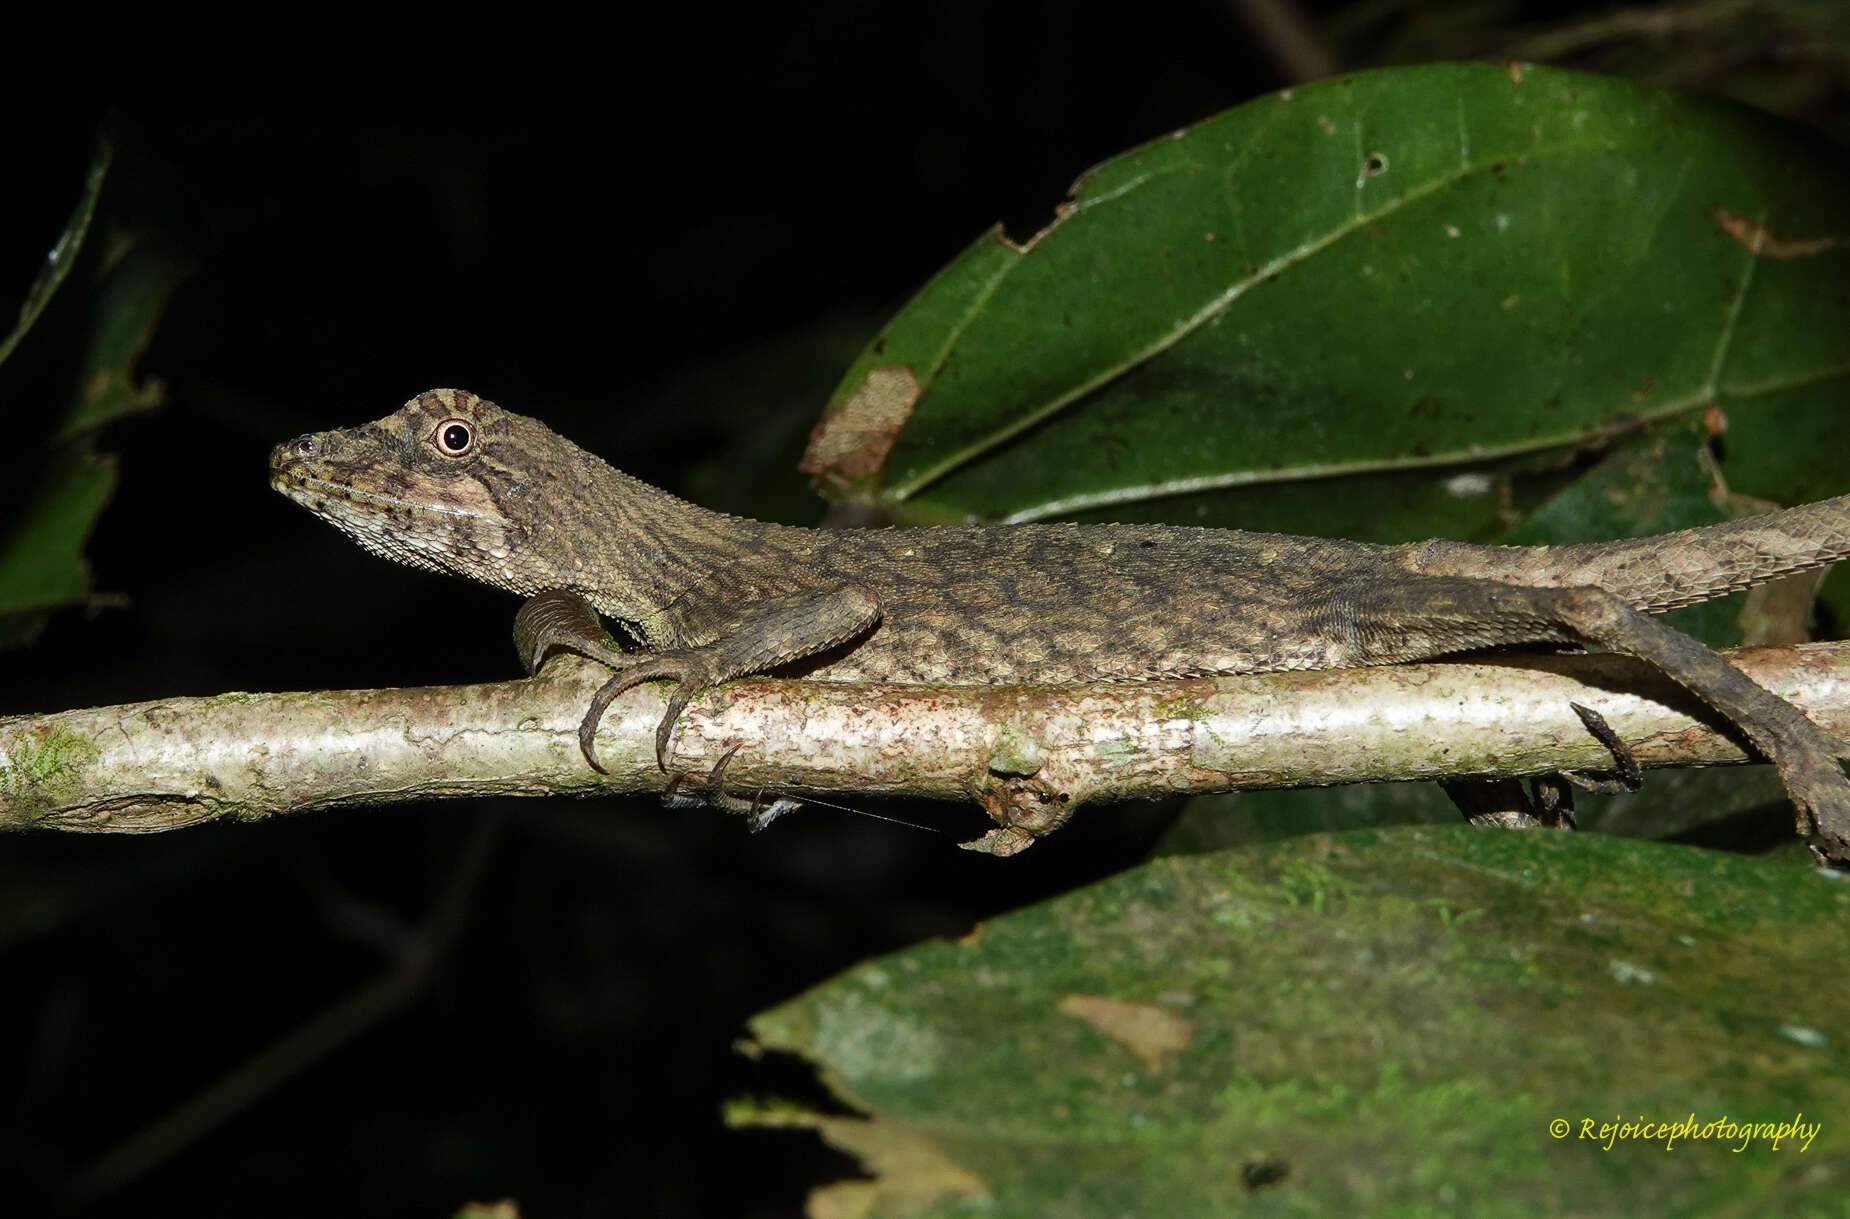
(1030, 754)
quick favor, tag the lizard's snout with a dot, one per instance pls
(308, 447)
(288, 457)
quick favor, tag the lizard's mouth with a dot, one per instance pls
(311, 491)
(303, 471)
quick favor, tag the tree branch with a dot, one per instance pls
(1030, 755)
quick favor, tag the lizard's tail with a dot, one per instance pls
(1665, 570)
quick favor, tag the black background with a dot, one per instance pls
(666, 235)
(671, 261)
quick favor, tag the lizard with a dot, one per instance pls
(454, 483)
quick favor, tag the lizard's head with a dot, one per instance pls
(447, 483)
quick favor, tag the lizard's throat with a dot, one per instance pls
(435, 536)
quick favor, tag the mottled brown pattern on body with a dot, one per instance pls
(526, 510)
(457, 484)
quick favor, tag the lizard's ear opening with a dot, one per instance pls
(453, 437)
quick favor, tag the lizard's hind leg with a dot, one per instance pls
(1402, 620)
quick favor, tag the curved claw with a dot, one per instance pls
(716, 778)
(677, 703)
(690, 678)
(712, 788)
(600, 703)
(756, 812)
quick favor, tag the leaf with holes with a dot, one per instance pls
(1337, 308)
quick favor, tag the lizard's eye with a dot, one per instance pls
(454, 438)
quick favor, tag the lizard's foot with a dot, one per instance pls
(1501, 802)
(1821, 794)
(692, 672)
(767, 633)
(558, 619)
(713, 792)
(1627, 775)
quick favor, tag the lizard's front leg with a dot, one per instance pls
(760, 635)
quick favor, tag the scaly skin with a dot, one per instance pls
(454, 483)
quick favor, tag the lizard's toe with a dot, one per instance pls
(688, 672)
(757, 813)
(600, 703)
(1822, 796)
(562, 621)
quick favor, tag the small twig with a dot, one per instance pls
(1289, 40)
(1652, 21)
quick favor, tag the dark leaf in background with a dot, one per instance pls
(67, 369)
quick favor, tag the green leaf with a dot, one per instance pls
(69, 368)
(41, 550)
(62, 255)
(1380, 1022)
(1404, 274)
(128, 304)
